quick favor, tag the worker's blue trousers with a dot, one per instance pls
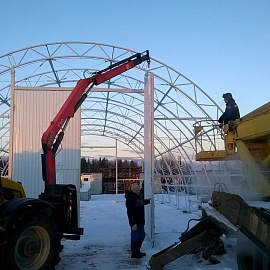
(139, 235)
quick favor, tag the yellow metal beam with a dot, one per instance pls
(211, 155)
(255, 125)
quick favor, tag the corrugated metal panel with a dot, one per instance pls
(34, 110)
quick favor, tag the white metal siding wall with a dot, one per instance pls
(34, 110)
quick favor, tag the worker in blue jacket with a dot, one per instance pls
(231, 112)
(135, 212)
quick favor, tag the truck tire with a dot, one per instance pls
(34, 241)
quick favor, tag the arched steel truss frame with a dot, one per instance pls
(179, 102)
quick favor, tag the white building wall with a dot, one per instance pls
(33, 112)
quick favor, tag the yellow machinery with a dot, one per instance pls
(10, 190)
(247, 139)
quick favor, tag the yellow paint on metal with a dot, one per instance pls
(15, 186)
(211, 155)
(255, 125)
(229, 143)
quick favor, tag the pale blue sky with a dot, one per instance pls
(221, 45)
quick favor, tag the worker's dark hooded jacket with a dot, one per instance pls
(135, 208)
(231, 112)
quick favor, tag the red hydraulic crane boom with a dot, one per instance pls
(52, 137)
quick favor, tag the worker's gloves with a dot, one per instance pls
(146, 201)
(134, 227)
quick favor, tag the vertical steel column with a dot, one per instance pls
(11, 128)
(116, 172)
(149, 156)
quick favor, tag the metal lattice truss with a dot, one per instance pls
(179, 102)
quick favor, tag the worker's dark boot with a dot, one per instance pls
(135, 249)
(140, 245)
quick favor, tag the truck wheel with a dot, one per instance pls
(249, 256)
(35, 242)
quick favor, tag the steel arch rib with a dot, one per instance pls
(65, 54)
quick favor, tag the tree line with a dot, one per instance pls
(95, 165)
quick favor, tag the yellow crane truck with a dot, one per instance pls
(247, 139)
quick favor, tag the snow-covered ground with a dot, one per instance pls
(105, 244)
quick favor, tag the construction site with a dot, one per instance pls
(61, 101)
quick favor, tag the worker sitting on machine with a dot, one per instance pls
(231, 112)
